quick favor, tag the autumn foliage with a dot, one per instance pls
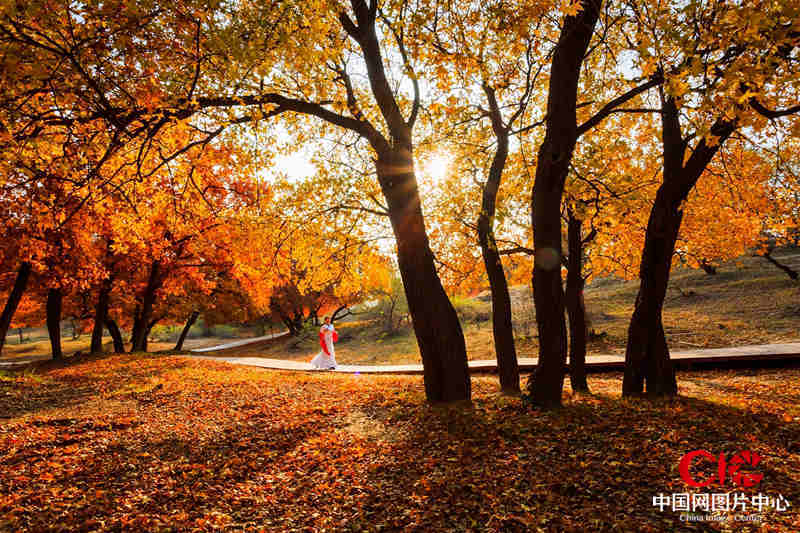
(141, 183)
(136, 443)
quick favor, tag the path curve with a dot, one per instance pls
(753, 355)
(235, 344)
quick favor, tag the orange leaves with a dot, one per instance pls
(220, 446)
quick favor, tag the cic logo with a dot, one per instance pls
(725, 468)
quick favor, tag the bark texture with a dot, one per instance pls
(116, 335)
(502, 329)
(436, 325)
(142, 322)
(100, 315)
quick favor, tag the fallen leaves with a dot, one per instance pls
(167, 443)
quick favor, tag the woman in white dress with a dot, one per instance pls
(326, 359)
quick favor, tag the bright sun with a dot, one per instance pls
(435, 167)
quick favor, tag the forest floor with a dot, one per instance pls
(155, 442)
(747, 302)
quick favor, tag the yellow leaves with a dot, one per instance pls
(570, 8)
(677, 86)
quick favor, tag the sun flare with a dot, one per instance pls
(436, 167)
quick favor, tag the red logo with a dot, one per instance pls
(725, 469)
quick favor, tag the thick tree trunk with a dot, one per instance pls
(140, 330)
(647, 354)
(54, 300)
(116, 335)
(20, 283)
(503, 331)
(100, 315)
(436, 325)
(648, 367)
(576, 309)
(147, 331)
(439, 335)
(552, 167)
(189, 323)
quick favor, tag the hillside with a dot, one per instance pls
(748, 301)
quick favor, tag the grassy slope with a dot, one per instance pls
(748, 302)
(155, 443)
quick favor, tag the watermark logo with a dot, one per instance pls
(725, 468)
(738, 470)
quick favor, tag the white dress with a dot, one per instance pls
(323, 361)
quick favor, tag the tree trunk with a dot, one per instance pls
(189, 323)
(552, 168)
(116, 335)
(341, 309)
(647, 362)
(502, 329)
(54, 298)
(708, 268)
(647, 354)
(140, 330)
(20, 283)
(436, 325)
(793, 274)
(576, 309)
(19, 332)
(147, 331)
(100, 315)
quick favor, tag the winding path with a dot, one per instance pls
(748, 356)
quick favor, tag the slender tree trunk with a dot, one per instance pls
(335, 315)
(436, 326)
(708, 268)
(647, 362)
(555, 155)
(576, 309)
(189, 323)
(100, 315)
(19, 332)
(793, 274)
(20, 283)
(116, 335)
(54, 299)
(139, 338)
(502, 328)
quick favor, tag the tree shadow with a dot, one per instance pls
(590, 465)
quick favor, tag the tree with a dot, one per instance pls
(387, 127)
(491, 50)
(704, 67)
